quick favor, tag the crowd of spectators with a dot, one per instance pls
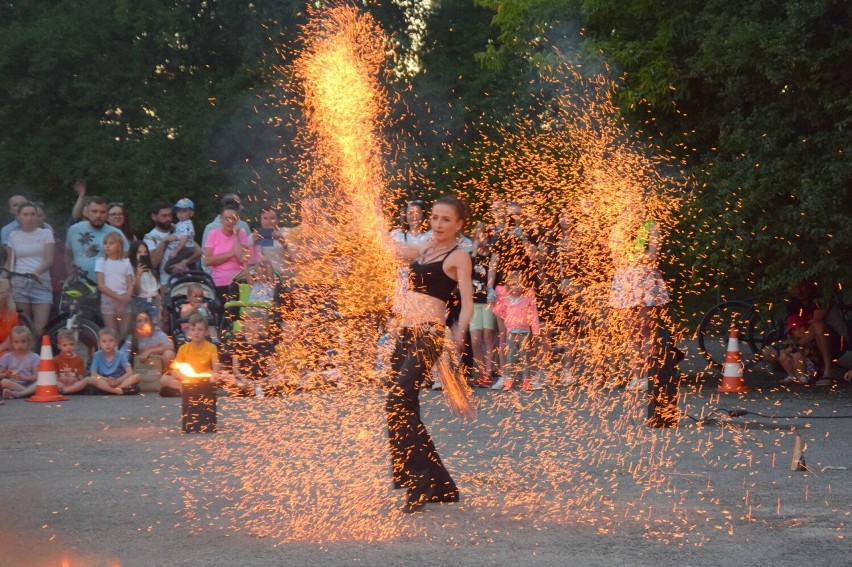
(523, 272)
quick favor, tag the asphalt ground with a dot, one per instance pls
(566, 476)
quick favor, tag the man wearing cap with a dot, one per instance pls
(158, 239)
(183, 247)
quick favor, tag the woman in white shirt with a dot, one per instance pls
(30, 251)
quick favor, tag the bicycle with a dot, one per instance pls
(78, 310)
(755, 331)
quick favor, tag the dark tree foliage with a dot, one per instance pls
(454, 92)
(757, 97)
(151, 100)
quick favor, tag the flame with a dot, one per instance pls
(188, 372)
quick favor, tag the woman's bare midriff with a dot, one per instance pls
(419, 308)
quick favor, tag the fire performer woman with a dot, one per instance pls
(439, 267)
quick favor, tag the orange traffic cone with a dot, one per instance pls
(47, 388)
(732, 371)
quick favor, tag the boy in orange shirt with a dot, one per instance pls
(199, 353)
(70, 370)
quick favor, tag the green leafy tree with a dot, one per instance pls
(756, 97)
(143, 99)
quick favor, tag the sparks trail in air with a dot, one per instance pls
(313, 465)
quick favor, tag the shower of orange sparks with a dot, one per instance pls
(315, 467)
(344, 104)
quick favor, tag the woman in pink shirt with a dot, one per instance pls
(225, 251)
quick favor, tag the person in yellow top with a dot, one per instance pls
(199, 353)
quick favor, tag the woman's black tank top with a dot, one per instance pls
(431, 279)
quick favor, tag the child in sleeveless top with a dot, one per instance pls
(519, 312)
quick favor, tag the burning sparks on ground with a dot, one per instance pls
(314, 465)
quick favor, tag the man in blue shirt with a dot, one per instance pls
(84, 240)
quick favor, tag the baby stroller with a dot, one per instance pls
(232, 314)
(250, 330)
(177, 296)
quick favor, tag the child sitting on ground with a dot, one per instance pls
(111, 371)
(70, 369)
(19, 366)
(198, 352)
(146, 341)
(800, 358)
(518, 310)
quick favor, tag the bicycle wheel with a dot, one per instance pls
(25, 321)
(762, 332)
(715, 327)
(86, 335)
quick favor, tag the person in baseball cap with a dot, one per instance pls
(182, 245)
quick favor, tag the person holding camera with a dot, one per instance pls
(269, 240)
(146, 288)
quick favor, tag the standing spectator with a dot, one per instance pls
(483, 325)
(8, 315)
(14, 202)
(228, 199)
(638, 289)
(78, 209)
(158, 239)
(117, 217)
(512, 249)
(146, 287)
(41, 215)
(115, 282)
(520, 316)
(84, 240)
(269, 241)
(561, 289)
(412, 230)
(183, 248)
(30, 251)
(225, 251)
(411, 233)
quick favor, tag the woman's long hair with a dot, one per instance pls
(132, 255)
(125, 225)
(134, 335)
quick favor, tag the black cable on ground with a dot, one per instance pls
(743, 412)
